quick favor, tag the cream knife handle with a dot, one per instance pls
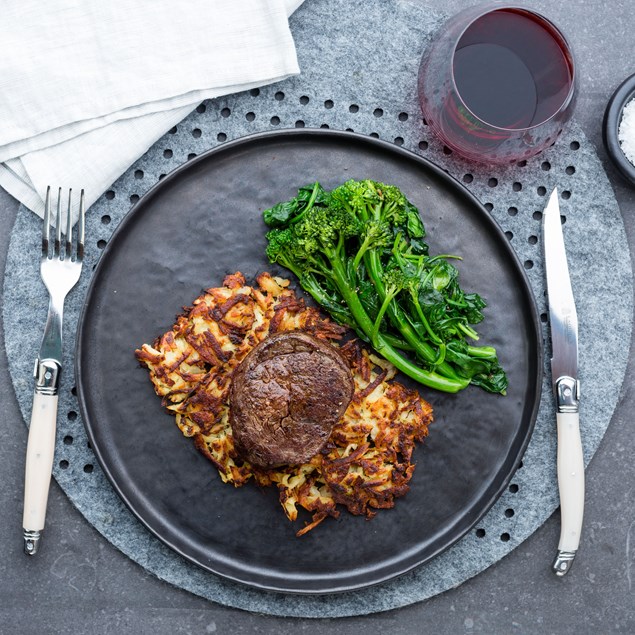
(39, 464)
(571, 488)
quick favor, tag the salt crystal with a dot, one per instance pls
(626, 132)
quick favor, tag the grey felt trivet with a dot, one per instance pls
(358, 75)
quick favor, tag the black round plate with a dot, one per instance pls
(203, 221)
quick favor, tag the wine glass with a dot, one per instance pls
(497, 84)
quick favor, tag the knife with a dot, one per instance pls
(563, 320)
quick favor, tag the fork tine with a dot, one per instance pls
(69, 227)
(58, 224)
(80, 229)
(46, 225)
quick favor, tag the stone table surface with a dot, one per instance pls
(87, 585)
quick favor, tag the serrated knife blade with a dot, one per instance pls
(563, 321)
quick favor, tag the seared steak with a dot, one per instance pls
(286, 396)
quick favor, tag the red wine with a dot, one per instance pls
(510, 70)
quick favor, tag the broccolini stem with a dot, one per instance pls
(399, 321)
(427, 378)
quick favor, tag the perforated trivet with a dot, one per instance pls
(361, 76)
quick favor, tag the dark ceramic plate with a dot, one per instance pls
(203, 221)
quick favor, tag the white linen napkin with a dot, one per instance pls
(89, 86)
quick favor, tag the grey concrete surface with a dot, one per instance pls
(85, 585)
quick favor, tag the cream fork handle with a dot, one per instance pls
(39, 464)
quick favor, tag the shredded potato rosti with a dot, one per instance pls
(366, 463)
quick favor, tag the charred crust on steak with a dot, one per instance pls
(286, 396)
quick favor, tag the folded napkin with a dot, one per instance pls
(89, 86)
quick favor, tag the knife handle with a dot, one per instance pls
(571, 488)
(39, 464)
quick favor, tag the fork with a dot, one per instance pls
(60, 268)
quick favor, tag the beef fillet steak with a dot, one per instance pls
(286, 396)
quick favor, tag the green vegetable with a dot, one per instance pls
(359, 251)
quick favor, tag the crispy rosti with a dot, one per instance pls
(366, 463)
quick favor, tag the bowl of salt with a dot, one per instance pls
(618, 129)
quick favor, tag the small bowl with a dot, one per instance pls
(612, 118)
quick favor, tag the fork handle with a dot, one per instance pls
(39, 464)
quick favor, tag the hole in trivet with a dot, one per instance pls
(105, 219)
(493, 182)
(480, 533)
(329, 104)
(167, 153)
(304, 100)
(74, 391)
(325, 126)
(64, 464)
(467, 178)
(543, 318)
(88, 468)
(509, 512)
(520, 465)
(423, 145)
(349, 130)
(537, 215)
(138, 174)
(275, 121)
(68, 439)
(399, 141)
(299, 123)
(517, 186)
(225, 112)
(489, 206)
(446, 150)
(110, 194)
(279, 96)
(566, 195)
(172, 130)
(353, 108)
(403, 116)
(528, 264)
(546, 166)
(374, 135)
(541, 191)
(532, 240)
(563, 219)
(570, 170)
(512, 211)
(196, 133)
(250, 116)
(425, 123)
(574, 145)
(254, 92)
(513, 488)
(88, 445)
(162, 176)
(221, 136)
(134, 198)
(201, 108)
(191, 156)
(505, 537)
(378, 112)
(522, 164)
(101, 244)
(509, 235)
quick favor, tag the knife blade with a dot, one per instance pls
(563, 321)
